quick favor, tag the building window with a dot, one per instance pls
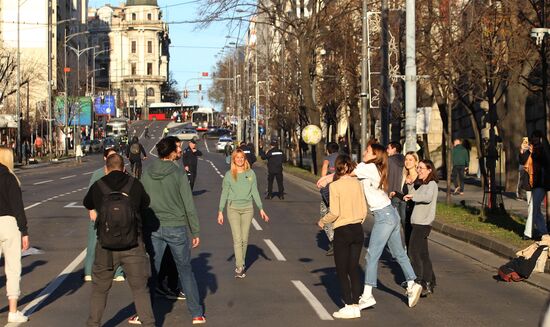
(132, 92)
(149, 16)
(149, 68)
(134, 68)
(134, 16)
(149, 46)
(150, 92)
(134, 46)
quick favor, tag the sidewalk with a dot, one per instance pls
(463, 241)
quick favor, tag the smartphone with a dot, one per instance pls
(399, 195)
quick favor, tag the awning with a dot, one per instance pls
(8, 121)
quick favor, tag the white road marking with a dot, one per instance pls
(88, 173)
(73, 205)
(33, 205)
(213, 166)
(67, 177)
(52, 286)
(54, 197)
(278, 255)
(315, 304)
(206, 146)
(151, 151)
(256, 225)
(43, 182)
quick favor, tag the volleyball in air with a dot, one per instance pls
(311, 134)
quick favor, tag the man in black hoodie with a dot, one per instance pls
(396, 163)
(134, 261)
(134, 152)
(275, 158)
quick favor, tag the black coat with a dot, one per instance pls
(275, 159)
(190, 158)
(11, 200)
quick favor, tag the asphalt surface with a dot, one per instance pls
(290, 282)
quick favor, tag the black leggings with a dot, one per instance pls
(419, 254)
(348, 243)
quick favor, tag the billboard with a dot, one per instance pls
(79, 111)
(105, 105)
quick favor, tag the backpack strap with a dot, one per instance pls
(103, 187)
(126, 189)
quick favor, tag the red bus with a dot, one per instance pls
(163, 110)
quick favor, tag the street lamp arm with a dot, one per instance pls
(69, 37)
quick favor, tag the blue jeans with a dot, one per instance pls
(90, 252)
(538, 195)
(386, 230)
(180, 245)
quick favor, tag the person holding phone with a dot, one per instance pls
(423, 215)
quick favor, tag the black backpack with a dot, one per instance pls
(116, 224)
(519, 268)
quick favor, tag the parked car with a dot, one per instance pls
(85, 146)
(110, 142)
(216, 133)
(91, 146)
(185, 134)
(222, 142)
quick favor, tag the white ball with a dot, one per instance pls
(312, 134)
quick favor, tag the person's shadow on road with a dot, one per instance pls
(206, 281)
(253, 253)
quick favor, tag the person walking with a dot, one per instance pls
(14, 236)
(239, 190)
(373, 172)
(461, 161)
(131, 257)
(190, 160)
(275, 158)
(92, 232)
(227, 151)
(248, 150)
(348, 210)
(134, 153)
(422, 218)
(328, 168)
(410, 183)
(539, 178)
(524, 184)
(174, 215)
(396, 164)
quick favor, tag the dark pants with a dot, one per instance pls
(419, 254)
(401, 207)
(168, 271)
(279, 177)
(135, 167)
(136, 266)
(458, 176)
(192, 175)
(348, 243)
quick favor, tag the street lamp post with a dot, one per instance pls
(539, 34)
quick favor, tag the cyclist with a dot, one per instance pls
(135, 150)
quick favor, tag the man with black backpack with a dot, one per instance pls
(135, 150)
(119, 201)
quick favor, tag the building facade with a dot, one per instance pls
(132, 54)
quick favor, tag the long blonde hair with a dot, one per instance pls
(6, 159)
(406, 172)
(234, 166)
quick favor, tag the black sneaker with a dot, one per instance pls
(167, 293)
(268, 197)
(181, 296)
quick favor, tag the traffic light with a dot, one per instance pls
(200, 87)
(185, 94)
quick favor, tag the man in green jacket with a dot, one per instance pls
(461, 161)
(174, 214)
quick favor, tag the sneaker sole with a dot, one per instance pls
(415, 300)
(366, 305)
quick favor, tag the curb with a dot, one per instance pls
(471, 237)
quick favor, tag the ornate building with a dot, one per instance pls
(131, 58)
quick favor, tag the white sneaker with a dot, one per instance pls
(88, 278)
(17, 316)
(119, 278)
(366, 302)
(413, 293)
(349, 311)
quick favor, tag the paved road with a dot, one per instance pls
(289, 281)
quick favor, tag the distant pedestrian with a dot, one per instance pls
(329, 167)
(524, 146)
(190, 161)
(539, 177)
(423, 216)
(79, 154)
(524, 185)
(275, 158)
(133, 259)
(248, 150)
(227, 151)
(396, 164)
(173, 210)
(348, 210)
(239, 191)
(410, 184)
(92, 233)
(461, 161)
(387, 228)
(134, 154)
(14, 236)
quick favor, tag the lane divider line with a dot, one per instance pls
(315, 304)
(206, 146)
(256, 225)
(53, 285)
(54, 197)
(43, 182)
(67, 177)
(278, 255)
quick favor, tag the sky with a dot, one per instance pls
(192, 51)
